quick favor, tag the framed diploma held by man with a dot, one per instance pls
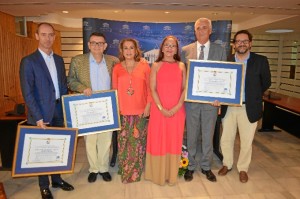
(92, 114)
(215, 80)
(44, 151)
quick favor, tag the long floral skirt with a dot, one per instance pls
(132, 147)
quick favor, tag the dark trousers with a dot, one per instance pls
(57, 121)
(115, 148)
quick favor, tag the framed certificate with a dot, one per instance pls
(92, 114)
(215, 80)
(44, 151)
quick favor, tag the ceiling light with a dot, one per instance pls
(279, 31)
(65, 11)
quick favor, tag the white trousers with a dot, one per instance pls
(236, 117)
(97, 150)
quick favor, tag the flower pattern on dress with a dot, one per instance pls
(132, 147)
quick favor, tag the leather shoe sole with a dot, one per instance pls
(209, 175)
(243, 177)
(223, 171)
(92, 177)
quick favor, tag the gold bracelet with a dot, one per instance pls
(159, 107)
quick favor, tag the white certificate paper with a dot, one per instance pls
(214, 82)
(91, 113)
(45, 150)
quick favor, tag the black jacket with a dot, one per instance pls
(258, 80)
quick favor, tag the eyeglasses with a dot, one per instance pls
(100, 44)
(242, 41)
(170, 46)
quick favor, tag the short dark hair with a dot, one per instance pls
(98, 34)
(242, 32)
(44, 23)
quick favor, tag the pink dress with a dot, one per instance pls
(164, 139)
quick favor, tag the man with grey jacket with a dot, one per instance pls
(201, 118)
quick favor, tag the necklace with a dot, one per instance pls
(130, 90)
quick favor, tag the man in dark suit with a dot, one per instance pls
(257, 80)
(201, 118)
(43, 82)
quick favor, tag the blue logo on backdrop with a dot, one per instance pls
(150, 35)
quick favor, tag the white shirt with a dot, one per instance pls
(52, 70)
(206, 49)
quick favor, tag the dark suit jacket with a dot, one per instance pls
(258, 80)
(37, 86)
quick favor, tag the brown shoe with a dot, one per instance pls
(223, 171)
(243, 176)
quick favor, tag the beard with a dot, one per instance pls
(242, 49)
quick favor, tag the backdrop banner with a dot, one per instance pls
(150, 35)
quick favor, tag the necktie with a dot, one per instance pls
(201, 55)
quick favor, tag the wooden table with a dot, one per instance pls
(282, 111)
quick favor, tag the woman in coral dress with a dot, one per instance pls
(167, 115)
(131, 79)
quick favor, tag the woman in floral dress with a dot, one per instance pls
(131, 79)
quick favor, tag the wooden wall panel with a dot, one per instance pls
(71, 54)
(267, 43)
(8, 21)
(71, 40)
(71, 45)
(265, 49)
(290, 58)
(13, 48)
(74, 34)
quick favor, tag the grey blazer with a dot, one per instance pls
(216, 52)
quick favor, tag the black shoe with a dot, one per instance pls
(106, 176)
(92, 177)
(63, 185)
(46, 194)
(209, 175)
(188, 176)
